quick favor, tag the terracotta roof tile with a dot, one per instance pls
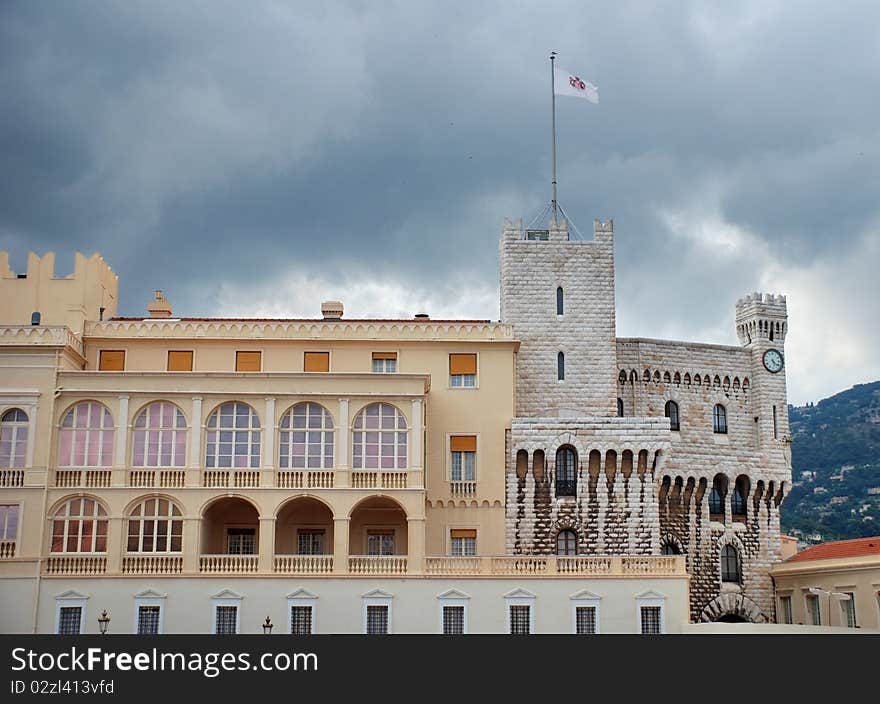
(301, 320)
(857, 547)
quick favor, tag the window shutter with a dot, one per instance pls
(462, 364)
(316, 362)
(111, 360)
(248, 361)
(463, 443)
(463, 533)
(180, 360)
(384, 355)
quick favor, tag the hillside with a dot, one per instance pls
(835, 467)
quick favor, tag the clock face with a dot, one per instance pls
(773, 361)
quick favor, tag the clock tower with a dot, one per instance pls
(761, 325)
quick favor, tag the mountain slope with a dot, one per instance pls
(835, 467)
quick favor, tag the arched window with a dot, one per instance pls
(379, 438)
(155, 525)
(716, 497)
(233, 437)
(671, 412)
(730, 568)
(80, 525)
(566, 543)
(566, 471)
(159, 436)
(738, 497)
(86, 436)
(719, 418)
(670, 548)
(620, 408)
(13, 438)
(559, 301)
(560, 366)
(306, 438)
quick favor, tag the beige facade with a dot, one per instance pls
(203, 471)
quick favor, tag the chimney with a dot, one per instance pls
(331, 310)
(159, 307)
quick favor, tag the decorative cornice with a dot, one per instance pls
(46, 335)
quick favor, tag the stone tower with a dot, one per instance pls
(559, 295)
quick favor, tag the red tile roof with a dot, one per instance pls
(301, 320)
(857, 547)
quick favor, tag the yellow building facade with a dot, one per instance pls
(335, 475)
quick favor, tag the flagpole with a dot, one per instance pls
(553, 98)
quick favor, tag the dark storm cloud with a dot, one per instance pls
(219, 150)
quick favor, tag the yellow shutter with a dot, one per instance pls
(248, 361)
(462, 364)
(384, 355)
(463, 443)
(316, 362)
(180, 360)
(463, 533)
(111, 360)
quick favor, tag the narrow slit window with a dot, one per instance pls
(560, 366)
(560, 301)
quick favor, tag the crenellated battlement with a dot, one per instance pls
(40, 297)
(761, 316)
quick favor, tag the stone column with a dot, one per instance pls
(415, 548)
(267, 544)
(192, 547)
(416, 472)
(267, 475)
(121, 444)
(32, 433)
(340, 544)
(115, 544)
(193, 477)
(342, 434)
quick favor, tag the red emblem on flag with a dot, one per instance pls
(577, 83)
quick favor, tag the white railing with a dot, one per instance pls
(304, 564)
(453, 565)
(90, 478)
(226, 478)
(462, 488)
(11, 477)
(228, 564)
(152, 564)
(582, 565)
(375, 479)
(377, 564)
(305, 479)
(7, 549)
(526, 564)
(76, 564)
(166, 478)
(651, 564)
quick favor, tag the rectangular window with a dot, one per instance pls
(813, 610)
(180, 360)
(310, 542)
(463, 542)
(585, 620)
(241, 541)
(227, 620)
(453, 620)
(384, 362)
(148, 620)
(377, 620)
(69, 620)
(463, 467)
(849, 610)
(520, 619)
(650, 616)
(462, 370)
(380, 542)
(785, 609)
(9, 521)
(301, 620)
(316, 362)
(248, 361)
(111, 360)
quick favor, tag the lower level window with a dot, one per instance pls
(463, 380)
(785, 609)
(310, 542)
(227, 620)
(849, 610)
(148, 620)
(380, 542)
(813, 610)
(520, 619)
(453, 620)
(69, 620)
(377, 620)
(301, 620)
(650, 616)
(241, 541)
(585, 620)
(463, 542)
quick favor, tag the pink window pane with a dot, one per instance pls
(180, 451)
(137, 454)
(79, 448)
(107, 442)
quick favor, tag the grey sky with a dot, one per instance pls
(255, 158)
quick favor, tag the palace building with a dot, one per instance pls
(533, 475)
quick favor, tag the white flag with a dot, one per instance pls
(570, 84)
